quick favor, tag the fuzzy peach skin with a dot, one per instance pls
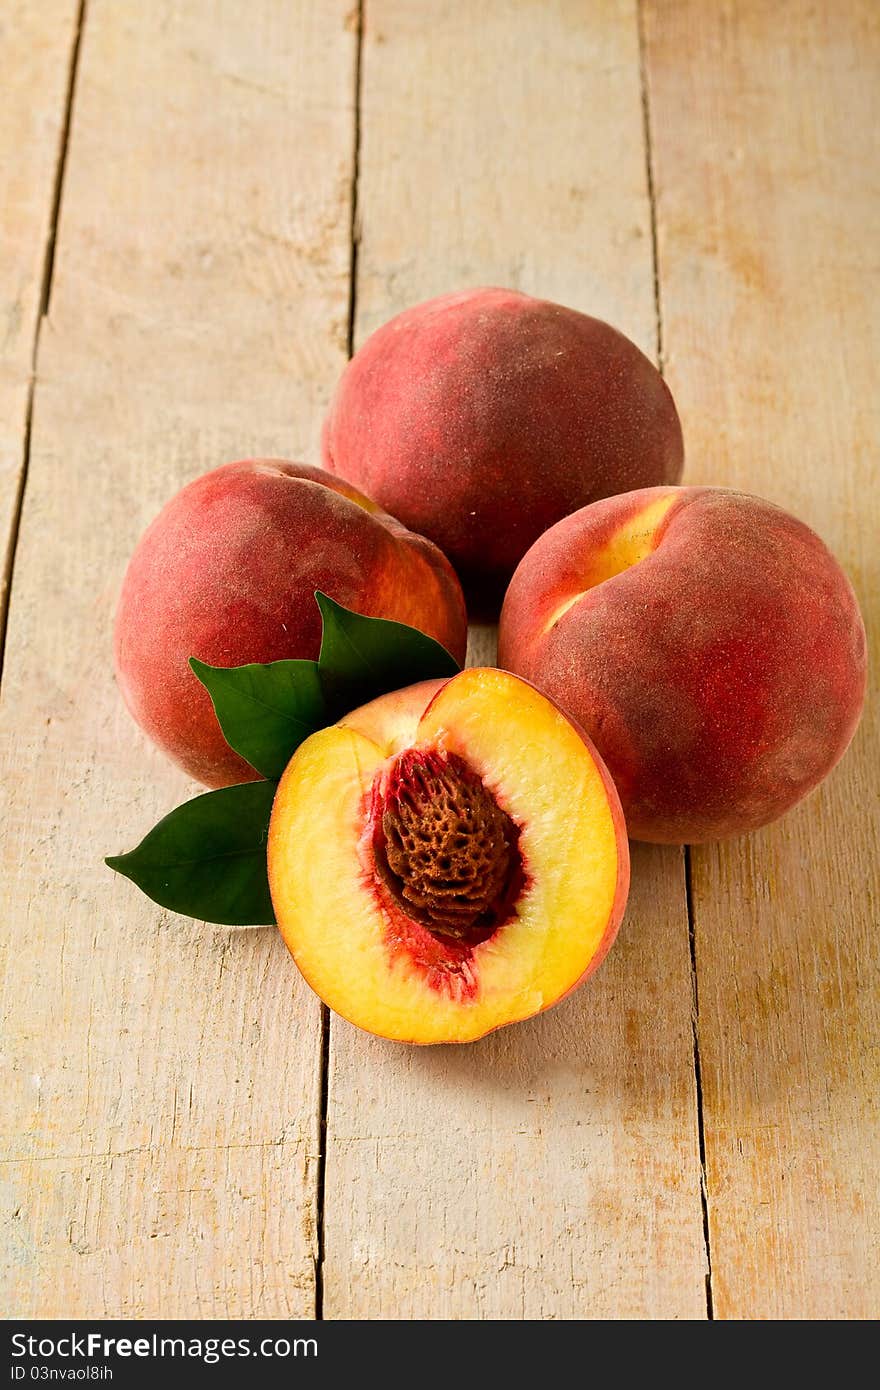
(359, 944)
(227, 573)
(708, 642)
(481, 418)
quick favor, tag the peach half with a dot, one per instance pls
(448, 859)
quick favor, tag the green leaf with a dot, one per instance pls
(265, 711)
(207, 859)
(365, 657)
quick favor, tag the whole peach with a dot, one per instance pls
(227, 573)
(709, 644)
(481, 418)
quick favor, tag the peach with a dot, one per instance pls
(709, 644)
(482, 418)
(448, 859)
(227, 573)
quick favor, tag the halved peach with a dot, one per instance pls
(448, 859)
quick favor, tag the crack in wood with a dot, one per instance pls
(649, 174)
(658, 312)
(698, 1079)
(45, 295)
(354, 238)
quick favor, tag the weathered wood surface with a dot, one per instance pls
(37, 44)
(765, 121)
(161, 1082)
(551, 1170)
(161, 1088)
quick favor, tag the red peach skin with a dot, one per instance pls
(708, 642)
(481, 418)
(227, 573)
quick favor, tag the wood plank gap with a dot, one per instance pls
(354, 235)
(355, 176)
(698, 1080)
(320, 1185)
(649, 175)
(49, 265)
(45, 292)
(698, 1076)
(658, 313)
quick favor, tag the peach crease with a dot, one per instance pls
(625, 548)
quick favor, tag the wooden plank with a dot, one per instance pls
(36, 49)
(551, 1170)
(161, 1106)
(765, 122)
(205, 1229)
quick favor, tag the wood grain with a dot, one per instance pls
(765, 121)
(551, 1170)
(161, 1079)
(36, 48)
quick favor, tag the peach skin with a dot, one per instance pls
(707, 641)
(227, 573)
(481, 418)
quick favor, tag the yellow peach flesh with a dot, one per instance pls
(541, 772)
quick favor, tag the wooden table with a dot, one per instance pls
(203, 206)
